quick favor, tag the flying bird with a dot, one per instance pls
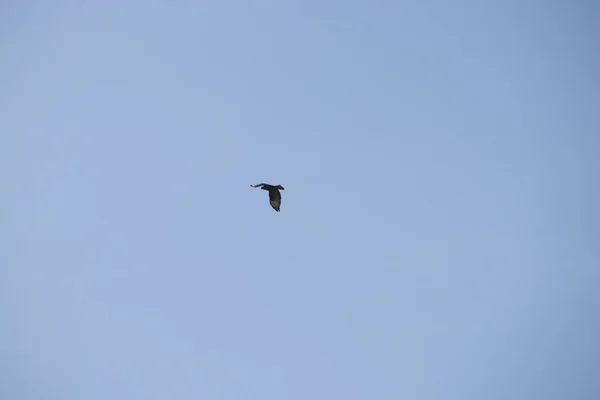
(274, 195)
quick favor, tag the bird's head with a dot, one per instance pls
(280, 187)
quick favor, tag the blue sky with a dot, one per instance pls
(438, 236)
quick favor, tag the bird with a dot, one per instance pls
(274, 195)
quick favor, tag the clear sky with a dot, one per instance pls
(438, 236)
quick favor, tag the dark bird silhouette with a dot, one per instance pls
(274, 195)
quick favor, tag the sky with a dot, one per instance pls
(439, 230)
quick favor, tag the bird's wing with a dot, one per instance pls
(275, 199)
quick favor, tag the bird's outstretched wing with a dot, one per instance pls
(275, 199)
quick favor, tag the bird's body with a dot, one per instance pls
(274, 194)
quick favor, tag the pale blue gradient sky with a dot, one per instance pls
(438, 236)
